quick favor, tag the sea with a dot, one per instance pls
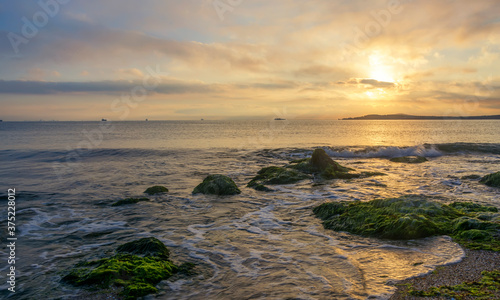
(255, 245)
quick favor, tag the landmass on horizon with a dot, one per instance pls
(413, 117)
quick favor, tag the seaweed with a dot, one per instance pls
(411, 217)
(157, 189)
(276, 175)
(492, 180)
(136, 267)
(217, 185)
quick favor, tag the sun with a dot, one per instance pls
(380, 68)
(381, 74)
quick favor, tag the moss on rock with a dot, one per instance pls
(217, 185)
(157, 189)
(491, 180)
(129, 201)
(276, 175)
(411, 217)
(320, 165)
(409, 159)
(137, 267)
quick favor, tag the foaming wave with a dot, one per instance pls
(391, 151)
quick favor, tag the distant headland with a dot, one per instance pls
(412, 117)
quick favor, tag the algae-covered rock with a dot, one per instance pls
(411, 217)
(491, 180)
(145, 247)
(320, 165)
(217, 185)
(276, 175)
(136, 268)
(157, 189)
(409, 159)
(473, 207)
(394, 218)
(129, 201)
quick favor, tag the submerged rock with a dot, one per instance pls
(276, 175)
(491, 180)
(413, 217)
(129, 201)
(217, 185)
(136, 268)
(409, 159)
(157, 189)
(320, 165)
(471, 177)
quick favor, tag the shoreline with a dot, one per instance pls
(467, 270)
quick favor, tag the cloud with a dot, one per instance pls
(367, 83)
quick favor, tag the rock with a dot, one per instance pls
(320, 165)
(276, 175)
(471, 177)
(157, 189)
(411, 217)
(129, 201)
(321, 161)
(136, 268)
(409, 159)
(145, 247)
(492, 180)
(217, 185)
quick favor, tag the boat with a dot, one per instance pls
(279, 119)
(104, 120)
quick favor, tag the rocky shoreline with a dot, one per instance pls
(468, 269)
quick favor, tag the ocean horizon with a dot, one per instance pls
(269, 244)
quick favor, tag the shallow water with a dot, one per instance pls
(253, 245)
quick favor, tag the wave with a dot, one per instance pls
(384, 151)
(426, 150)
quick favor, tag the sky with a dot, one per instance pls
(245, 59)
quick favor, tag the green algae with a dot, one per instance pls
(486, 288)
(318, 166)
(276, 175)
(409, 159)
(411, 217)
(138, 275)
(129, 201)
(136, 267)
(217, 185)
(157, 189)
(473, 207)
(492, 180)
